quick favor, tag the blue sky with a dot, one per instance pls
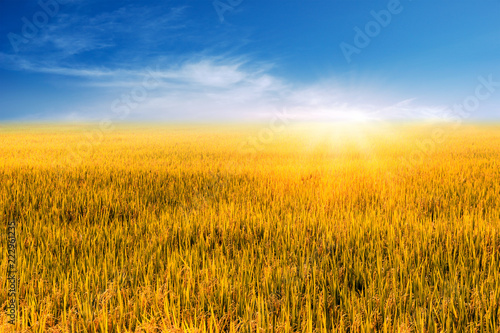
(246, 59)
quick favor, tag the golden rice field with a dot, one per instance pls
(316, 228)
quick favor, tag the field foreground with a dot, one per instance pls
(248, 229)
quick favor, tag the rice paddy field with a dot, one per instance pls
(244, 228)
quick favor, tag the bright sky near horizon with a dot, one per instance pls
(249, 59)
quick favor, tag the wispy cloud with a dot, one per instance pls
(125, 33)
(217, 87)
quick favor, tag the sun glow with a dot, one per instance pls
(350, 131)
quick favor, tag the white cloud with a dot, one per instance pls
(235, 88)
